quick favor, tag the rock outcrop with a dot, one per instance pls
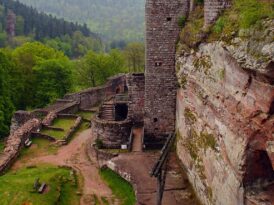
(225, 122)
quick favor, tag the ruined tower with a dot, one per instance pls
(162, 32)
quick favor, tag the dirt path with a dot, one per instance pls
(74, 155)
(137, 140)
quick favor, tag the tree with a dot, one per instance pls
(26, 58)
(6, 105)
(52, 81)
(135, 57)
(94, 69)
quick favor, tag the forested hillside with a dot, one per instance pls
(20, 23)
(115, 19)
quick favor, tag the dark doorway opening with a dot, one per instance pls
(259, 168)
(121, 112)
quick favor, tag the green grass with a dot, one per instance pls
(40, 147)
(63, 123)
(85, 114)
(243, 14)
(54, 133)
(122, 189)
(16, 187)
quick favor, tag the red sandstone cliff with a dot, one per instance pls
(225, 122)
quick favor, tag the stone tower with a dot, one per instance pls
(162, 33)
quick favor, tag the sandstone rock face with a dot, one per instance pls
(225, 122)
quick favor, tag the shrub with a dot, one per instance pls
(182, 21)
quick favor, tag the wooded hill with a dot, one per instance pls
(113, 19)
(28, 20)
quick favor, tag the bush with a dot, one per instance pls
(219, 25)
(182, 21)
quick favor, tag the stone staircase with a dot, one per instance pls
(107, 111)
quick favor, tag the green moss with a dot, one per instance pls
(183, 81)
(203, 64)
(208, 141)
(189, 116)
(222, 74)
(16, 187)
(122, 189)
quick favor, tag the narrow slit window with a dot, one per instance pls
(168, 18)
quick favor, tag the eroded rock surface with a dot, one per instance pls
(225, 120)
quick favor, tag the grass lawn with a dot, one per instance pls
(122, 189)
(40, 147)
(59, 135)
(16, 187)
(63, 123)
(85, 114)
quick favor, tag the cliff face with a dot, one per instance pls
(225, 122)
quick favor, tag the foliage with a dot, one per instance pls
(182, 21)
(6, 105)
(242, 15)
(135, 56)
(120, 188)
(114, 19)
(17, 187)
(251, 11)
(52, 80)
(95, 68)
(31, 61)
(2, 145)
(29, 21)
(192, 33)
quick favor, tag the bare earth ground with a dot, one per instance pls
(74, 155)
(138, 164)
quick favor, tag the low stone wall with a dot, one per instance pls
(15, 142)
(42, 136)
(73, 129)
(101, 155)
(93, 96)
(49, 119)
(113, 134)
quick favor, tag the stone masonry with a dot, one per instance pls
(213, 8)
(162, 30)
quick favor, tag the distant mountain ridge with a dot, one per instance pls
(113, 19)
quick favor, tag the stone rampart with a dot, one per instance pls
(15, 142)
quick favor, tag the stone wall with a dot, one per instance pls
(213, 8)
(113, 134)
(15, 142)
(162, 30)
(94, 96)
(225, 121)
(136, 94)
